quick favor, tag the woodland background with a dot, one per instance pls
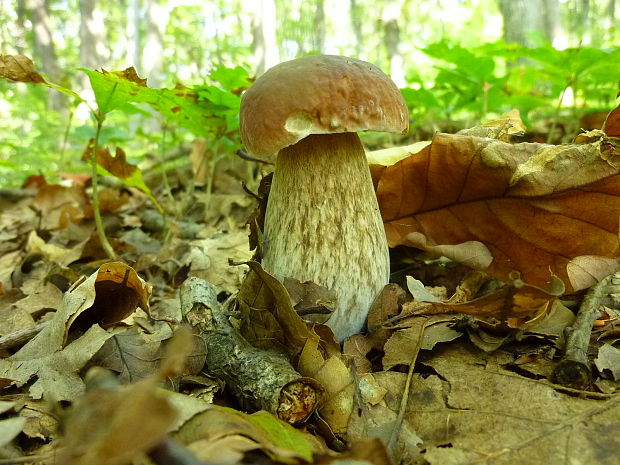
(174, 203)
(457, 61)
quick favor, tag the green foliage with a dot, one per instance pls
(210, 111)
(205, 110)
(493, 78)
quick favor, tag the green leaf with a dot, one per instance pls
(135, 180)
(282, 435)
(219, 97)
(111, 90)
(230, 78)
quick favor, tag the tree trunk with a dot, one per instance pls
(552, 16)
(44, 50)
(133, 36)
(264, 44)
(21, 18)
(92, 49)
(319, 27)
(391, 39)
(521, 17)
(156, 21)
(356, 23)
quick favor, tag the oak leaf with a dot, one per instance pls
(525, 211)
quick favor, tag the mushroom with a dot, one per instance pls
(322, 222)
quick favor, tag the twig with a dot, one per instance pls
(245, 156)
(20, 337)
(574, 368)
(259, 379)
(391, 446)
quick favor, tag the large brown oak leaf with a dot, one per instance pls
(517, 211)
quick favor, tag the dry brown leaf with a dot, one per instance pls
(119, 292)
(129, 74)
(60, 204)
(113, 290)
(608, 362)
(476, 410)
(117, 164)
(505, 128)
(271, 321)
(509, 304)
(109, 201)
(134, 354)
(19, 68)
(357, 347)
(532, 209)
(208, 259)
(611, 127)
(235, 433)
(41, 419)
(108, 427)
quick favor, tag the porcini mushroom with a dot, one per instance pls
(322, 222)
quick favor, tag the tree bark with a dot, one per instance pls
(258, 378)
(133, 36)
(521, 17)
(264, 44)
(391, 40)
(319, 27)
(92, 50)
(44, 48)
(156, 21)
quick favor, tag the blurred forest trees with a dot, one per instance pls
(451, 56)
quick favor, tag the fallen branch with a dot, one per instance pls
(259, 379)
(574, 368)
(20, 337)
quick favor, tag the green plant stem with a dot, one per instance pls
(65, 138)
(556, 115)
(95, 198)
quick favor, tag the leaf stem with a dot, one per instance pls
(95, 195)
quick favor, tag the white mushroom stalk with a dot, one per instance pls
(322, 222)
(323, 225)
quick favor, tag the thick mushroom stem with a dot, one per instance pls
(323, 225)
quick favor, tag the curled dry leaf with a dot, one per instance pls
(19, 68)
(223, 435)
(107, 425)
(513, 305)
(612, 123)
(269, 319)
(51, 357)
(117, 164)
(534, 210)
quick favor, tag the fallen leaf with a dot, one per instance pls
(60, 205)
(56, 371)
(608, 360)
(505, 128)
(312, 301)
(513, 305)
(134, 354)
(107, 426)
(10, 428)
(222, 426)
(473, 401)
(49, 358)
(611, 127)
(534, 209)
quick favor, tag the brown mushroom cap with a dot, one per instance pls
(318, 94)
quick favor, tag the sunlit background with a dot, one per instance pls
(456, 60)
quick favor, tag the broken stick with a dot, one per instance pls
(259, 379)
(574, 369)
